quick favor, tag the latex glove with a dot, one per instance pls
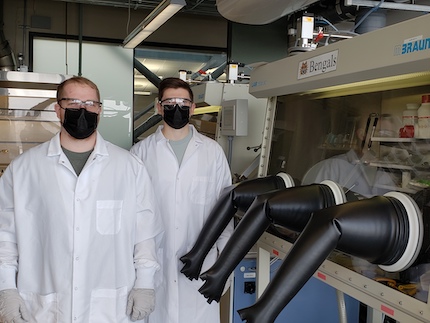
(140, 303)
(12, 307)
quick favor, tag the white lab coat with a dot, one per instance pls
(349, 172)
(75, 236)
(186, 195)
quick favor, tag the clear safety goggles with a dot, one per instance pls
(89, 105)
(170, 103)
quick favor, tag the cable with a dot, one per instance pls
(128, 18)
(367, 14)
(328, 22)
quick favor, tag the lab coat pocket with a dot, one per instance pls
(202, 189)
(108, 305)
(109, 216)
(43, 308)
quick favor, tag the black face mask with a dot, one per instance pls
(80, 123)
(177, 118)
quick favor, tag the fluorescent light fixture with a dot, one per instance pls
(163, 12)
(372, 85)
(142, 93)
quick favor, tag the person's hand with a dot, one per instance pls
(140, 303)
(12, 307)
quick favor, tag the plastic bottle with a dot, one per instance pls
(410, 115)
(424, 118)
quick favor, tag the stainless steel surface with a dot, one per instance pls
(27, 116)
(30, 80)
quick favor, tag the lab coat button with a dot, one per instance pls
(76, 288)
(77, 228)
(77, 258)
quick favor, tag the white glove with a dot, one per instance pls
(140, 303)
(12, 307)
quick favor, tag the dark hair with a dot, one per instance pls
(173, 83)
(77, 80)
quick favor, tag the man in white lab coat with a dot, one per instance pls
(188, 171)
(351, 170)
(78, 224)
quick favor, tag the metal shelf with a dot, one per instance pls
(394, 140)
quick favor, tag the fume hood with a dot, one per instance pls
(335, 114)
(388, 58)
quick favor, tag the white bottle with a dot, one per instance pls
(424, 118)
(410, 115)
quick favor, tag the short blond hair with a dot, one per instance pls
(77, 80)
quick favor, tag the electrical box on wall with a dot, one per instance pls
(234, 117)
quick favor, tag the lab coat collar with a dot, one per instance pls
(196, 136)
(54, 148)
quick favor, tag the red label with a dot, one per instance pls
(387, 310)
(321, 276)
(275, 252)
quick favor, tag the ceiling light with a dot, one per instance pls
(142, 92)
(163, 12)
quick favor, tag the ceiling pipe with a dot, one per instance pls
(257, 12)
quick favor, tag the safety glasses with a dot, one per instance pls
(171, 103)
(89, 105)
